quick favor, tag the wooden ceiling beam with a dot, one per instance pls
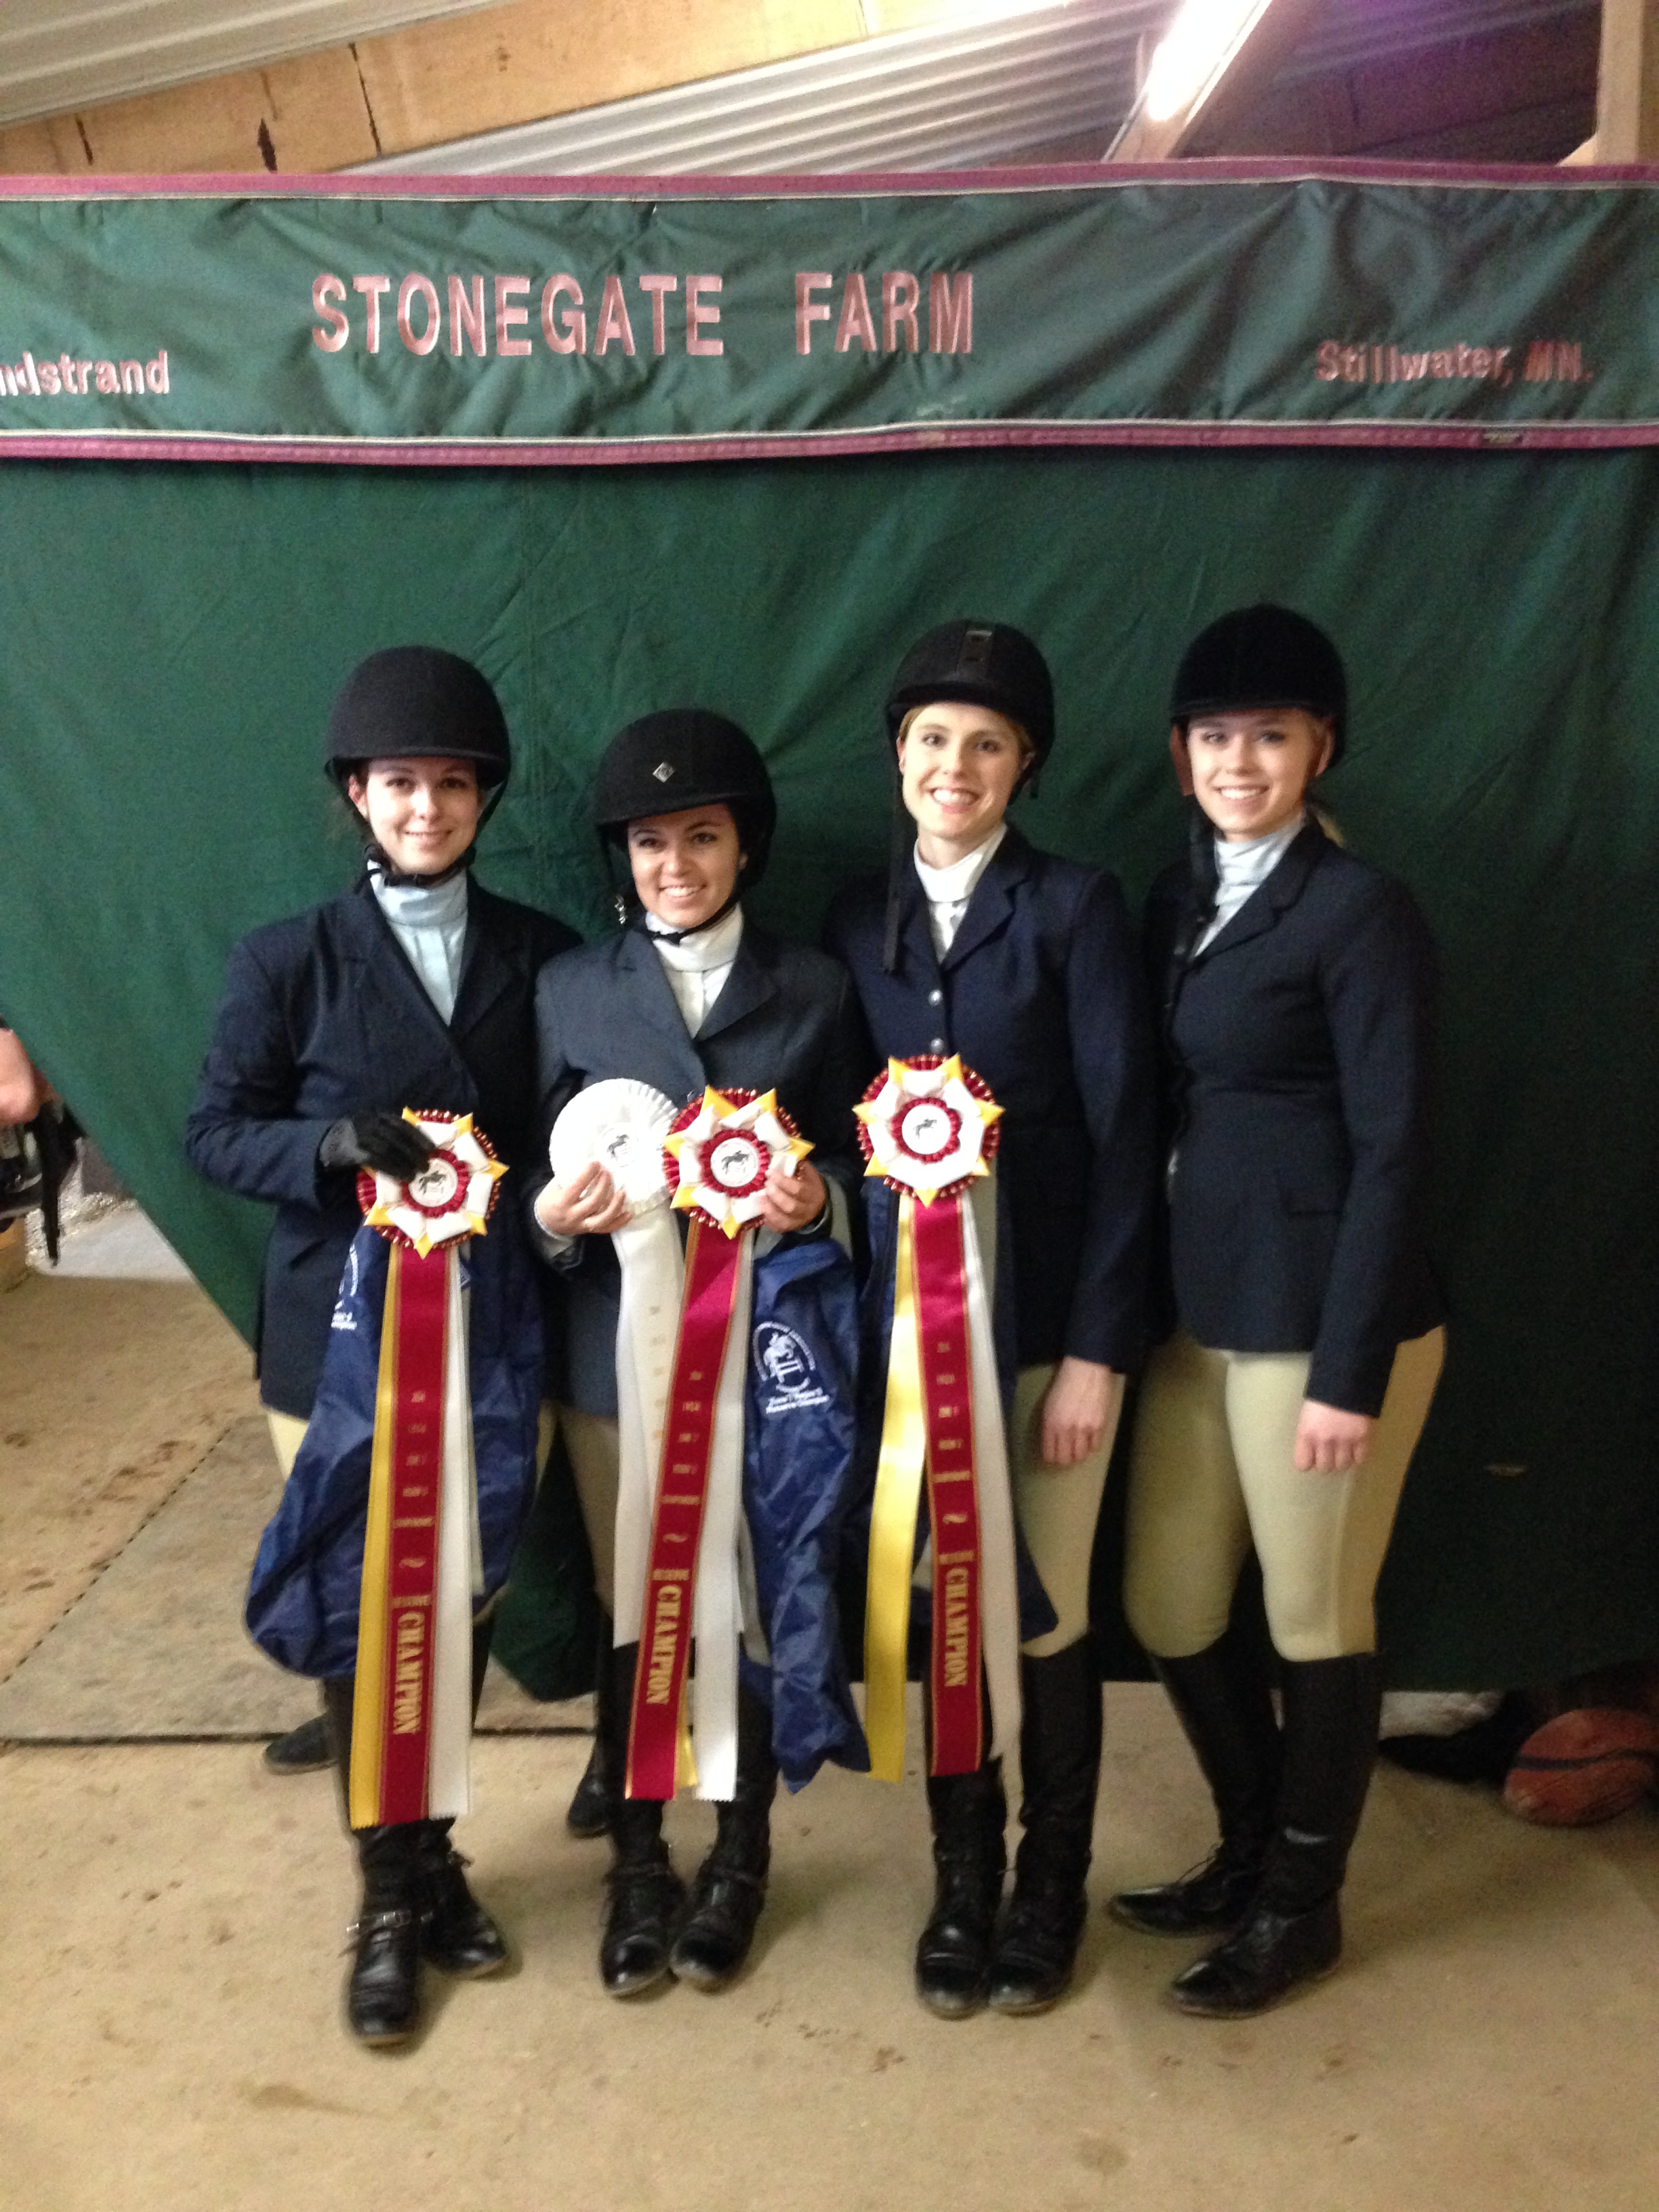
(1627, 102)
(454, 77)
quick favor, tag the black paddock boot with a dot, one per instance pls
(1221, 1699)
(645, 1894)
(458, 1935)
(593, 1805)
(1293, 1934)
(729, 1888)
(970, 1856)
(1060, 1769)
(383, 1990)
(307, 1749)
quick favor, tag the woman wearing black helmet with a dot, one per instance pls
(687, 994)
(1023, 964)
(413, 988)
(1296, 984)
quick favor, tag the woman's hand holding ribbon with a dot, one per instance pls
(792, 1202)
(591, 1207)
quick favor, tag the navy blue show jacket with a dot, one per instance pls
(1041, 991)
(323, 1017)
(1297, 1059)
(786, 1019)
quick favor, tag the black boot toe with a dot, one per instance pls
(645, 1902)
(725, 1903)
(383, 1995)
(1272, 1955)
(953, 1954)
(1211, 1899)
(458, 1935)
(1032, 1964)
(304, 1750)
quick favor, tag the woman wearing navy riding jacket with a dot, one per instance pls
(688, 994)
(1023, 964)
(1297, 986)
(413, 988)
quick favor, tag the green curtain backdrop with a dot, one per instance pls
(172, 637)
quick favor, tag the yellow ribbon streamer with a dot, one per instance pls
(893, 1520)
(372, 1620)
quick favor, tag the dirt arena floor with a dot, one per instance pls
(171, 1918)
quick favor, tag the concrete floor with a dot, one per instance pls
(170, 1922)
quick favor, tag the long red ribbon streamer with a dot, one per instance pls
(711, 1289)
(952, 1489)
(423, 1299)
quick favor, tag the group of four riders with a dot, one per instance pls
(1214, 1142)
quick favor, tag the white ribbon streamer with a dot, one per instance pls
(460, 1576)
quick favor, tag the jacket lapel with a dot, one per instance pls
(368, 943)
(646, 997)
(486, 971)
(749, 985)
(992, 901)
(1282, 888)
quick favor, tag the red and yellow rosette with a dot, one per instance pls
(717, 1155)
(928, 1127)
(412, 1710)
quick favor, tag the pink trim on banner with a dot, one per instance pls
(903, 184)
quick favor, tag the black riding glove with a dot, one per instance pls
(379, 1140)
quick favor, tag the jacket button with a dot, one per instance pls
(938, 1045)
(935, 998)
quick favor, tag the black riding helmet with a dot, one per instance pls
(681, 757)
(1262, 656)
(417, 702)
(982, 664)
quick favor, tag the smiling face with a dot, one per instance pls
(960, 765)
(1249, 768)
(423, 814)
(685, 865)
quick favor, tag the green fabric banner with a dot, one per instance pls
(443, 319)
(173, 634)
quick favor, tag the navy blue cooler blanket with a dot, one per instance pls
(302, 1600)
(800, 1452)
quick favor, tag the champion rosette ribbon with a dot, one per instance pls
(412, 1709)
(928, 1127)
(717, 1153)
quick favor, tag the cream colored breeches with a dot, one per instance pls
(1213, 1473)
(287, 1435)
(596, 1462)
(1057, 1506)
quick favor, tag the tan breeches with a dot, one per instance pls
(288, 1433)
(1057, 1508)
(591, 1440)
(1213, 1473)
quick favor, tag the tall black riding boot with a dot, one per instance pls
(729, 1888)
(383, 1992)
(593, 1804)
(457, 1934)
(1222, 1701)
(1294, 1931)
(1060, 1771)
(646, 1893)
(969, 1814)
